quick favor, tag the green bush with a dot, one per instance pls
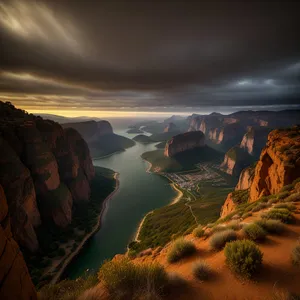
(293, 198)
(201, 270)
(271, 226)
(273, 200)
(296, 255)
(243, 257)
(67, 289)
(181, 248)
(198, 231)
(288, 206)
(126, 280)
(260, 206)
(254, 232)
(283, 195)
(219, 228)
(219, 239)
(282, 214)
(287, 188)
(246, 215)
(234, 225)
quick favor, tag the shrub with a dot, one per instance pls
(296, 255)
(282, 214)
(181, 248)
(246, 215)
(283, 195)
(219, 228)
(175, 280)
(271, 226)
(198, 231)
(234, 225)
(293, 198)
(236, 217)
(296, 181)
(201, 270)
(289, 206)
(287, 188)
(273, 200)
(219, 239)
(67, 289)
(260, 206)
(243, 257)
(125, 280)
(254, 232)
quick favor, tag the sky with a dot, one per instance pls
(68, 57)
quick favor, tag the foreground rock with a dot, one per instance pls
(44, 169)
(279, 163)
(15, 281)
(185, 141)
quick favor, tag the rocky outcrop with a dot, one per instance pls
(279, 163)
(235, 161)
(100, 137)
(254, 140)
(185, 141)
(43, 170)
(15, 281)
(245, 179)
(171, 127)
(91, 130)
(229, 206)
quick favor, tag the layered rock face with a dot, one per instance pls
(245, 179)
(228, 130)
(43, 170)
(279, 163)
(171, 127)
(15, 281)
(91, 130)
(185, 141)
(235, 160)
(254, 140)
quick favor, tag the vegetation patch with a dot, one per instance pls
(67, 289)
(289, 206)
(125, 280)
(243, 257)
(293, 198)
(181, 248)
(240, 196)
(198, 231)
(282, 214)
(202, 270)
(260, 206)
(271, 226)
(219, 239)
(254, 232)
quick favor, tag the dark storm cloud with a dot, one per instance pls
(149, 53)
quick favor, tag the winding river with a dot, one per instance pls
(139, 192)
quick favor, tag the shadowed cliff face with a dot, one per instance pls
(279, 163)
(43, 170)
(15, 282)
(185, 141)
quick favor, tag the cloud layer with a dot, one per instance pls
(104, 54)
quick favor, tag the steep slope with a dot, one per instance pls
(279, 163)
(100, 137)
(15, 282)
(183, 142)
(43, 170)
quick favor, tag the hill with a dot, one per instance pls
(141, 138)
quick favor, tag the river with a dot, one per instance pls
(139, 192)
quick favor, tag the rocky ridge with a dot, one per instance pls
(185, 141)
(44, 170)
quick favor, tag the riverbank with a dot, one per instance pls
(136, 238)
(73, 255)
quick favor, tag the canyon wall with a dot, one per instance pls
(15, 281)
(183, 142)
(279, 163)
(44, 170)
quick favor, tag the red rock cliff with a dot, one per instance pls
(183, 142)
(279, 163)
(15, 281)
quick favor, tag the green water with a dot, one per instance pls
(139, 193)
